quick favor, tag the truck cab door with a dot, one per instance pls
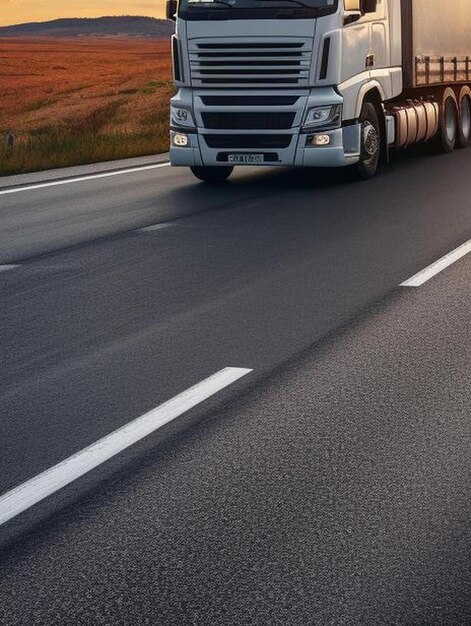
(355, 49)
(379, 37)
(365, 43)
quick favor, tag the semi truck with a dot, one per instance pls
(316, 83)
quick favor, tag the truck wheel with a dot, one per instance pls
(212, 174)
(449, 116)
(464, 131)
(370, 149)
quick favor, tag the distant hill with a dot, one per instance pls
(122, 26)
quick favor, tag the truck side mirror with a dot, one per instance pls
(352, 11)
(171, 9)
(352, 5)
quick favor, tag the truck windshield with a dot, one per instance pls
(254, 9)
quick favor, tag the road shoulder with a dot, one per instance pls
(18, 180)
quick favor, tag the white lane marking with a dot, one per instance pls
(6, 268)
(432, 270)
(33, 491)
(150, 229)
(79, 179)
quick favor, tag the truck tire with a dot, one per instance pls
(449, 116)
(370, 149)
(212, 174)
(464, 130)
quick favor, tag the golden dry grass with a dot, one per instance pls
(78, 101)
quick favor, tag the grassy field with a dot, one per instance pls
(69, 102)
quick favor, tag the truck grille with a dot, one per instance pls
(248, 141)
(248, 121)
(250, 63)
(249, 100)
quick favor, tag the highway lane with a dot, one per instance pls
(95, 335)
(111, 325)
(47, 219)
(335, 492)
(41, 219)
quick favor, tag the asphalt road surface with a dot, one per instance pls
(328, 485)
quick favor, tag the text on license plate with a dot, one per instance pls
(245, 158)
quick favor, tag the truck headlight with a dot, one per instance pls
(182, 117)
(323, 117)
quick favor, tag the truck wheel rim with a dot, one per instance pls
(450, 120)
(370, 140)
(466, 118)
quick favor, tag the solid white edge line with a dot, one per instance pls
(79, 179)
(432, 270)
(45, 484)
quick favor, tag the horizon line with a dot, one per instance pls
(84, 17)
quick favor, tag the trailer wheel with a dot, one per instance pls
(449, 123)
(370, 149)
(212, 174)
(464, 131)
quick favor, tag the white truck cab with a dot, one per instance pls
(307, 83)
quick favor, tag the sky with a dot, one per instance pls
(19, 11)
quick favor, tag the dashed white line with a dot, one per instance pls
(150, 229)
(79, 179)
(432, 270)
(33, 491)
(6, 268)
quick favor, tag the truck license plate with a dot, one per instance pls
(245, 159)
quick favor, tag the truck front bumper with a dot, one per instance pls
(241, 126)
(343, 150)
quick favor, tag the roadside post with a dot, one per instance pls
(10, 142)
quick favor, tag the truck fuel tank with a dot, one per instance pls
(415, 122)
